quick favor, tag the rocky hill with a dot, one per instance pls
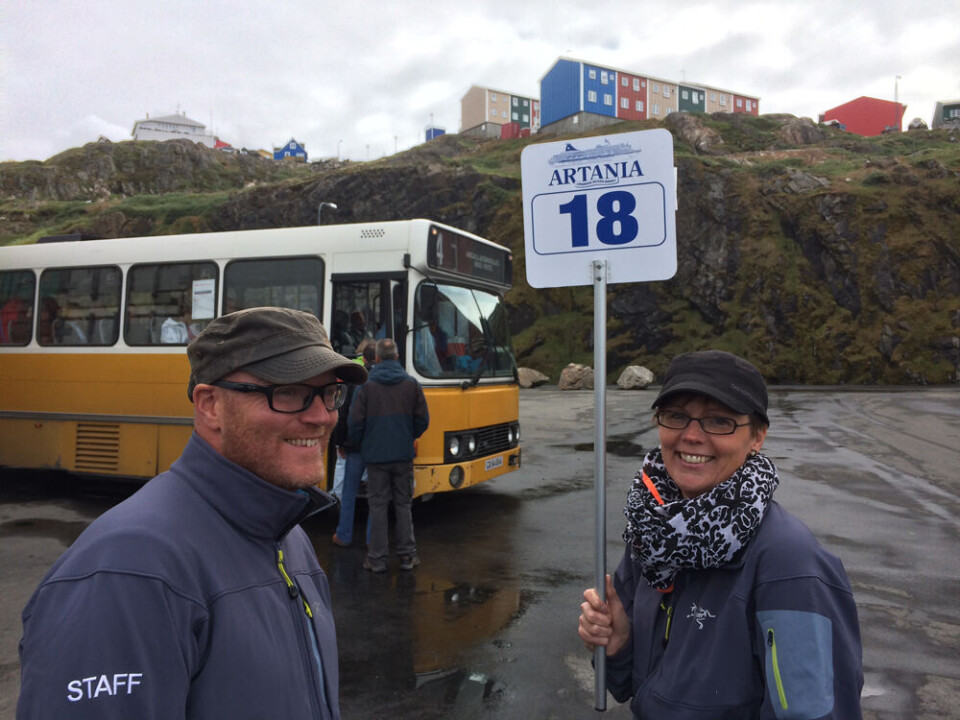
(824, 257)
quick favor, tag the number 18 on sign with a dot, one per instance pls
(608, 198)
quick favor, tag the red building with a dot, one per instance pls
(867, 116)
(632, 97)
(509, 130)
(744, 104)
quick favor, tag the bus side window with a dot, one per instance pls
(169, 303)
(16, 306)
(79, 306)
(358, 314)
(295, 283)
(399, 292)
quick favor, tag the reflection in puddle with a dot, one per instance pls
(406, 638)
(461, 693)
(450, 618)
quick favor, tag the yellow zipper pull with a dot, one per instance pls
(292, 588)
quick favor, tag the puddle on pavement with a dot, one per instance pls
(417, 653)
(557, 486)
(460, 692)
(66, 531)
(619, 445)
(407, 639)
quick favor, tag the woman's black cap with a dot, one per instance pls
(720, 375)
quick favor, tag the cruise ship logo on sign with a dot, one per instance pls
(606, 164)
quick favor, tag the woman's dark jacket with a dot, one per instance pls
(772, 635)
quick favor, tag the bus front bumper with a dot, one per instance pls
(430, 479)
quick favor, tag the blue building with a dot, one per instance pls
(292, 149)
(434, 132)
(560, 94)
(571, 87)
(576, 96)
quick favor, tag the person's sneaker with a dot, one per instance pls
(409, 562)
(340, 543)
(367, 565)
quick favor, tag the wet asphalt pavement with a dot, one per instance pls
(486, 626)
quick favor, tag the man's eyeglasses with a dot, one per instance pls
(711, 425)
(293, 398)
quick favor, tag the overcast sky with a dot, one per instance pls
(366, 77)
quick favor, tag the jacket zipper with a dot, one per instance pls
(669, 610)
(772, 644)
(294, 592)
(292, 588)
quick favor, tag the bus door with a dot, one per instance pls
(366, 307)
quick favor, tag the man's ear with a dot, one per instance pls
(206, 409)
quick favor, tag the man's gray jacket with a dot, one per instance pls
(198, 597)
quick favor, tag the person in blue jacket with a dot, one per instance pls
(387, 415)
(200, 596)
(724, 605)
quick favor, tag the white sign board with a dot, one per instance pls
(610, 198)
(204, 299)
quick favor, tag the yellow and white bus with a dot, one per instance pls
(93, 366)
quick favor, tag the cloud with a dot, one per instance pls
(367, 76)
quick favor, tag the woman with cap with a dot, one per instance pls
(724, 605)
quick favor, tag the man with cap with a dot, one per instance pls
(724, 605)
(199, 596)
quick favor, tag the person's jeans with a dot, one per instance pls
(348, 501)
(386, 482)
(337, 489)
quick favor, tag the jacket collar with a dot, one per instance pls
(252, 505)
(388, 372)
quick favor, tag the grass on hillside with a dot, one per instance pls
(169, 214)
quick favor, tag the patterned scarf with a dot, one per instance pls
(668, 533)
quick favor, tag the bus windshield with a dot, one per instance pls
(460, 332)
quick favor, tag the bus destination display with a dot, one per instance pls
(465, 256)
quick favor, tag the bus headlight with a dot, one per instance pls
(453, 445)
(471, 444)
(456, 477)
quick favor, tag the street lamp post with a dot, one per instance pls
(320, 207)
(338, 148)
(896, 102)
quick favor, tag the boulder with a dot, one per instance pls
(800, 131)
(531, 378)
(801, 182)
(576, 377)
(634, 377)
(692, 130)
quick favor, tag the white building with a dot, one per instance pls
(172, 127)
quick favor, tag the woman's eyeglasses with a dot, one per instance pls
(717, 425)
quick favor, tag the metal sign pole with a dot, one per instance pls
(574, 202)
(599, 268)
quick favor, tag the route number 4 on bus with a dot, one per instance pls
(610, 198)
